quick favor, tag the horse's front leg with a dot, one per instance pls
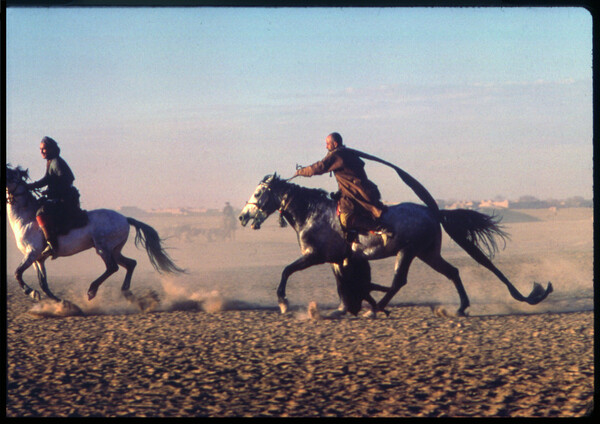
(42, 278)
(23, 266)
(298, 265)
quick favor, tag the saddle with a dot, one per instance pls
(69, 214)
(70, 220)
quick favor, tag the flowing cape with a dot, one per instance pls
(416, 186)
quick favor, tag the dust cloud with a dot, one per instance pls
(243, 272)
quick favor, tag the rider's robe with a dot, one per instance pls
(59, 179)
(62, 198)
(355, 187)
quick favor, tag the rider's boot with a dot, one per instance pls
(47, 227)
(374, 225)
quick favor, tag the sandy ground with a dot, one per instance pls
(216, 345)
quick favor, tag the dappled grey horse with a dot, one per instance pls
(106, 231)
(312, 214)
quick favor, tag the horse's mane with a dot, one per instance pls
(313, 196)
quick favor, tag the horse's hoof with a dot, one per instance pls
(440, 311)
(128, 295)
(462, 312)
(147, 302)
(283, 306)
(35, 295)
(369, 314)
(313, 311)
(337, 313)
(91, 295)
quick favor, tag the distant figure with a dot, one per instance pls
(229, 222)
(358, 197)
(59, 210)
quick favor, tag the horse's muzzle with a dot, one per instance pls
(257, 217)
(245, 218)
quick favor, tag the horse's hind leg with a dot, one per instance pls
(111, 268)
(42, 278)
(434, 260)
(400, 277)
(129, 265)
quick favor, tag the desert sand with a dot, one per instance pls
(216, 345)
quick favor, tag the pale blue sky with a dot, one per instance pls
(191, 107)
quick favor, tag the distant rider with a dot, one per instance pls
(360, 203)
(229, 221)
(61, 198)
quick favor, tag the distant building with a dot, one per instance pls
(178, 211)
(503, 204)
(462, 204)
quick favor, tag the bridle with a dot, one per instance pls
(283, 205)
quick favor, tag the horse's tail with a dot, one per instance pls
(148, 237)
(473, 231)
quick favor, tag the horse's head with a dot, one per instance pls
(15, 177)
(262, 203)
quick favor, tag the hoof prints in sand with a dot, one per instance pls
(260, 363)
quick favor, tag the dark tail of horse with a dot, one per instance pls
(474, 231)
(151, 241)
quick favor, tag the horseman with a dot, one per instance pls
(60, 206)
(359, 200)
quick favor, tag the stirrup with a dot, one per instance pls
(386, 230)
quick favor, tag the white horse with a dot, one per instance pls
(106, 231)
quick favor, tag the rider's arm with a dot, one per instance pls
(39, 183)
(331, 162)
